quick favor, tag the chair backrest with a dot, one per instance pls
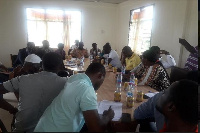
(13, 58)
(2, 127)
(178, 74)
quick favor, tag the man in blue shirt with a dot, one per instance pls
(77, 104)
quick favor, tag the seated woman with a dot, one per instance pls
(152, 72)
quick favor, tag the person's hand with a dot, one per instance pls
(164, 52)
(109, 113)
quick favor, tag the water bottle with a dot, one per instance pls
(123, 69)
(129, 97)
(82, 62)
(129, 92)
(119, 81)
(91, 58)
(106, 61)
(132, 80)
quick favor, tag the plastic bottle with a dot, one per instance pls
(130, 97)
(106, 61)
(117, 95)
(119, 81)
(132, 80)
(123, 69)
(91, 58)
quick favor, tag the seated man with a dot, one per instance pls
(80, 51)
(113, 57)
(36, 92)
(23, 53)
(95, 51)
(147, 110)
(179, 106)
(60, 50)
(45, 47)
(170, 60)
(75, 46)
(192, 61)
(129, 58)
(31, 66)
(80, 105)
(4, 76)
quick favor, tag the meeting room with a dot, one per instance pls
(99, 66)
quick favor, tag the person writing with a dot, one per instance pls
(80, 105)
(129, 58)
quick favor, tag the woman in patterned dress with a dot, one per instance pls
(152, 72)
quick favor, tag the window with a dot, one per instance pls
(140, 29)
(56, 26)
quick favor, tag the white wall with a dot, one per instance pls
(168, 24)
(104, 22)
(98, 23)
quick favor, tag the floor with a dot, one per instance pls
(5, 116)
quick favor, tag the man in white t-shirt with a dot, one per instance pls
(170, 60)
(36, 92)
(113, 57)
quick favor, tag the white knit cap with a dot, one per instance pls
(32, 58)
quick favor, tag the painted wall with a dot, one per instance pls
(103, 22)
(98, 23)
(173, 19)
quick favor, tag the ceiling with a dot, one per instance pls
(104, 1)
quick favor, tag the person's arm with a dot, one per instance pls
(2, 89)
(93, 121)
(146, 109)
(86, 54)
(7, 106)
(190, 48)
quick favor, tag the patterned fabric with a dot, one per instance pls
(192, 61)
(78, 53)
(157, 79)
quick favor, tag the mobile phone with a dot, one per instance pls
(126, 117)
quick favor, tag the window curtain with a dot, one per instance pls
(51, 25)
(67, 31)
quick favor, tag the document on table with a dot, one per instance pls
(151, 94)
(116, 107)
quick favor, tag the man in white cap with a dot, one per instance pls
(36, 91)
(31, 66)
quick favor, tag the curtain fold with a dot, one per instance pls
(67, 31)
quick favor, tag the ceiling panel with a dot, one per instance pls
(104, 1)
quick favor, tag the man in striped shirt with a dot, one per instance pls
(192, 61)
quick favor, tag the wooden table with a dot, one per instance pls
(86, 64)
(107, 89)
(106, 92)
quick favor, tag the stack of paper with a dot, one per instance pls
(116, 107)
(151, 94)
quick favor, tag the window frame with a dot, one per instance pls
(142, 7)
(46, 21)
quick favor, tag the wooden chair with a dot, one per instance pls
(2, 127)
(13, 59)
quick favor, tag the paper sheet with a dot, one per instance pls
(151, 94)
(116, 106)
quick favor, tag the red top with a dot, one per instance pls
(165, 129)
